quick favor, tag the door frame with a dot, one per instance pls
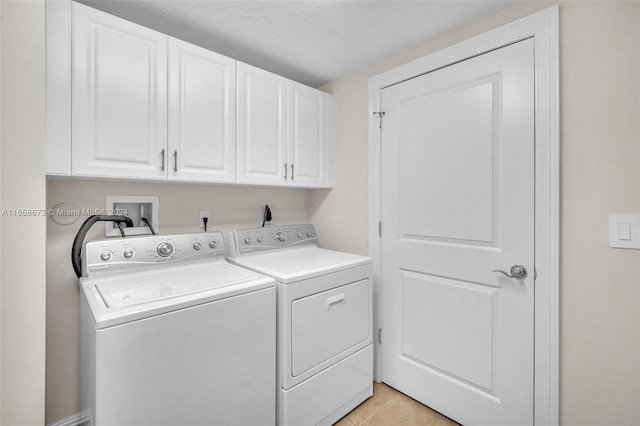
(544, 28)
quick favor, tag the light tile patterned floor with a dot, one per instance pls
(388, 407)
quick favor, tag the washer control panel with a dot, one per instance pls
(254, 240)
(119, 255)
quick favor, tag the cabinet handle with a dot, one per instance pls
(291, 171)
(175, 161)
(285, 171)
(162, 161)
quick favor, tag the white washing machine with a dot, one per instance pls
(325, 352)
(172, 334)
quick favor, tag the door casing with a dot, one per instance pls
(543, 27)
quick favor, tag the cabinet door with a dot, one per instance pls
(307, 135)
(119, 109)
(261, 139)
(202, 114)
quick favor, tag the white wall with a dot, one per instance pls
(179, 206)
(22, 186)
(600, 175)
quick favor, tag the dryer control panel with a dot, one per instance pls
(255, 240)
(119, 255)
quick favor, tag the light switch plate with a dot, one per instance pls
(624, 231)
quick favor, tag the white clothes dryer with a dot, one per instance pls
(325, 352)
(172, 334)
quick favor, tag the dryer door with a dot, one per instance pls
(329, 323)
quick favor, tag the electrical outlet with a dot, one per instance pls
(203, 214)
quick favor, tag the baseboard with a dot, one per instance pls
(75, 420)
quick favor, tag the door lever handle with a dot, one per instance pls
(517, 271)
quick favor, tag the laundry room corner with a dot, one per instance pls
(230, 207)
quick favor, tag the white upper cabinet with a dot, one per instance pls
(282, 131)
(128, 102)
(307, 135)
(202, 112)
(261, 138)
(119, 101)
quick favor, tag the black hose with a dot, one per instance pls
(153, 231)
(76, 248)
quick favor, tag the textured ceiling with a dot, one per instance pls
(310, 41)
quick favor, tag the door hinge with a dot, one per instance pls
(379, 335)
(380, 228)
(380, 114)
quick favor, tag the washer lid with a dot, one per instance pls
(172, 282)
(295, 264)
(131, 297)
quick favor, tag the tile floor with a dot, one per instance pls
(388, 407)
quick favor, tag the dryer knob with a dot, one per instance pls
(247, 240)
(309, 234)
(213, 244)
(259, 239)
(196, 246)
(280, 236)
(105, 256)
(299, 234)
(128, 253)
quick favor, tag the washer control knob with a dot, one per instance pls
(165, 249)
(213, 244)
(197, 246)
(105, 256)
(128, 253)
(281, 236)
(299, 234)
(309, 234)
(259, 239)
(247, 240)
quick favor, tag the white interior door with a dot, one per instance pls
(457, 203)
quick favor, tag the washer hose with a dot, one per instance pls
(76, 248)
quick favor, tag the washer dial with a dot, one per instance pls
(165, 249)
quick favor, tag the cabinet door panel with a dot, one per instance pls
(201, 114)
(307, 135)
(119, 97)
(261, 143)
